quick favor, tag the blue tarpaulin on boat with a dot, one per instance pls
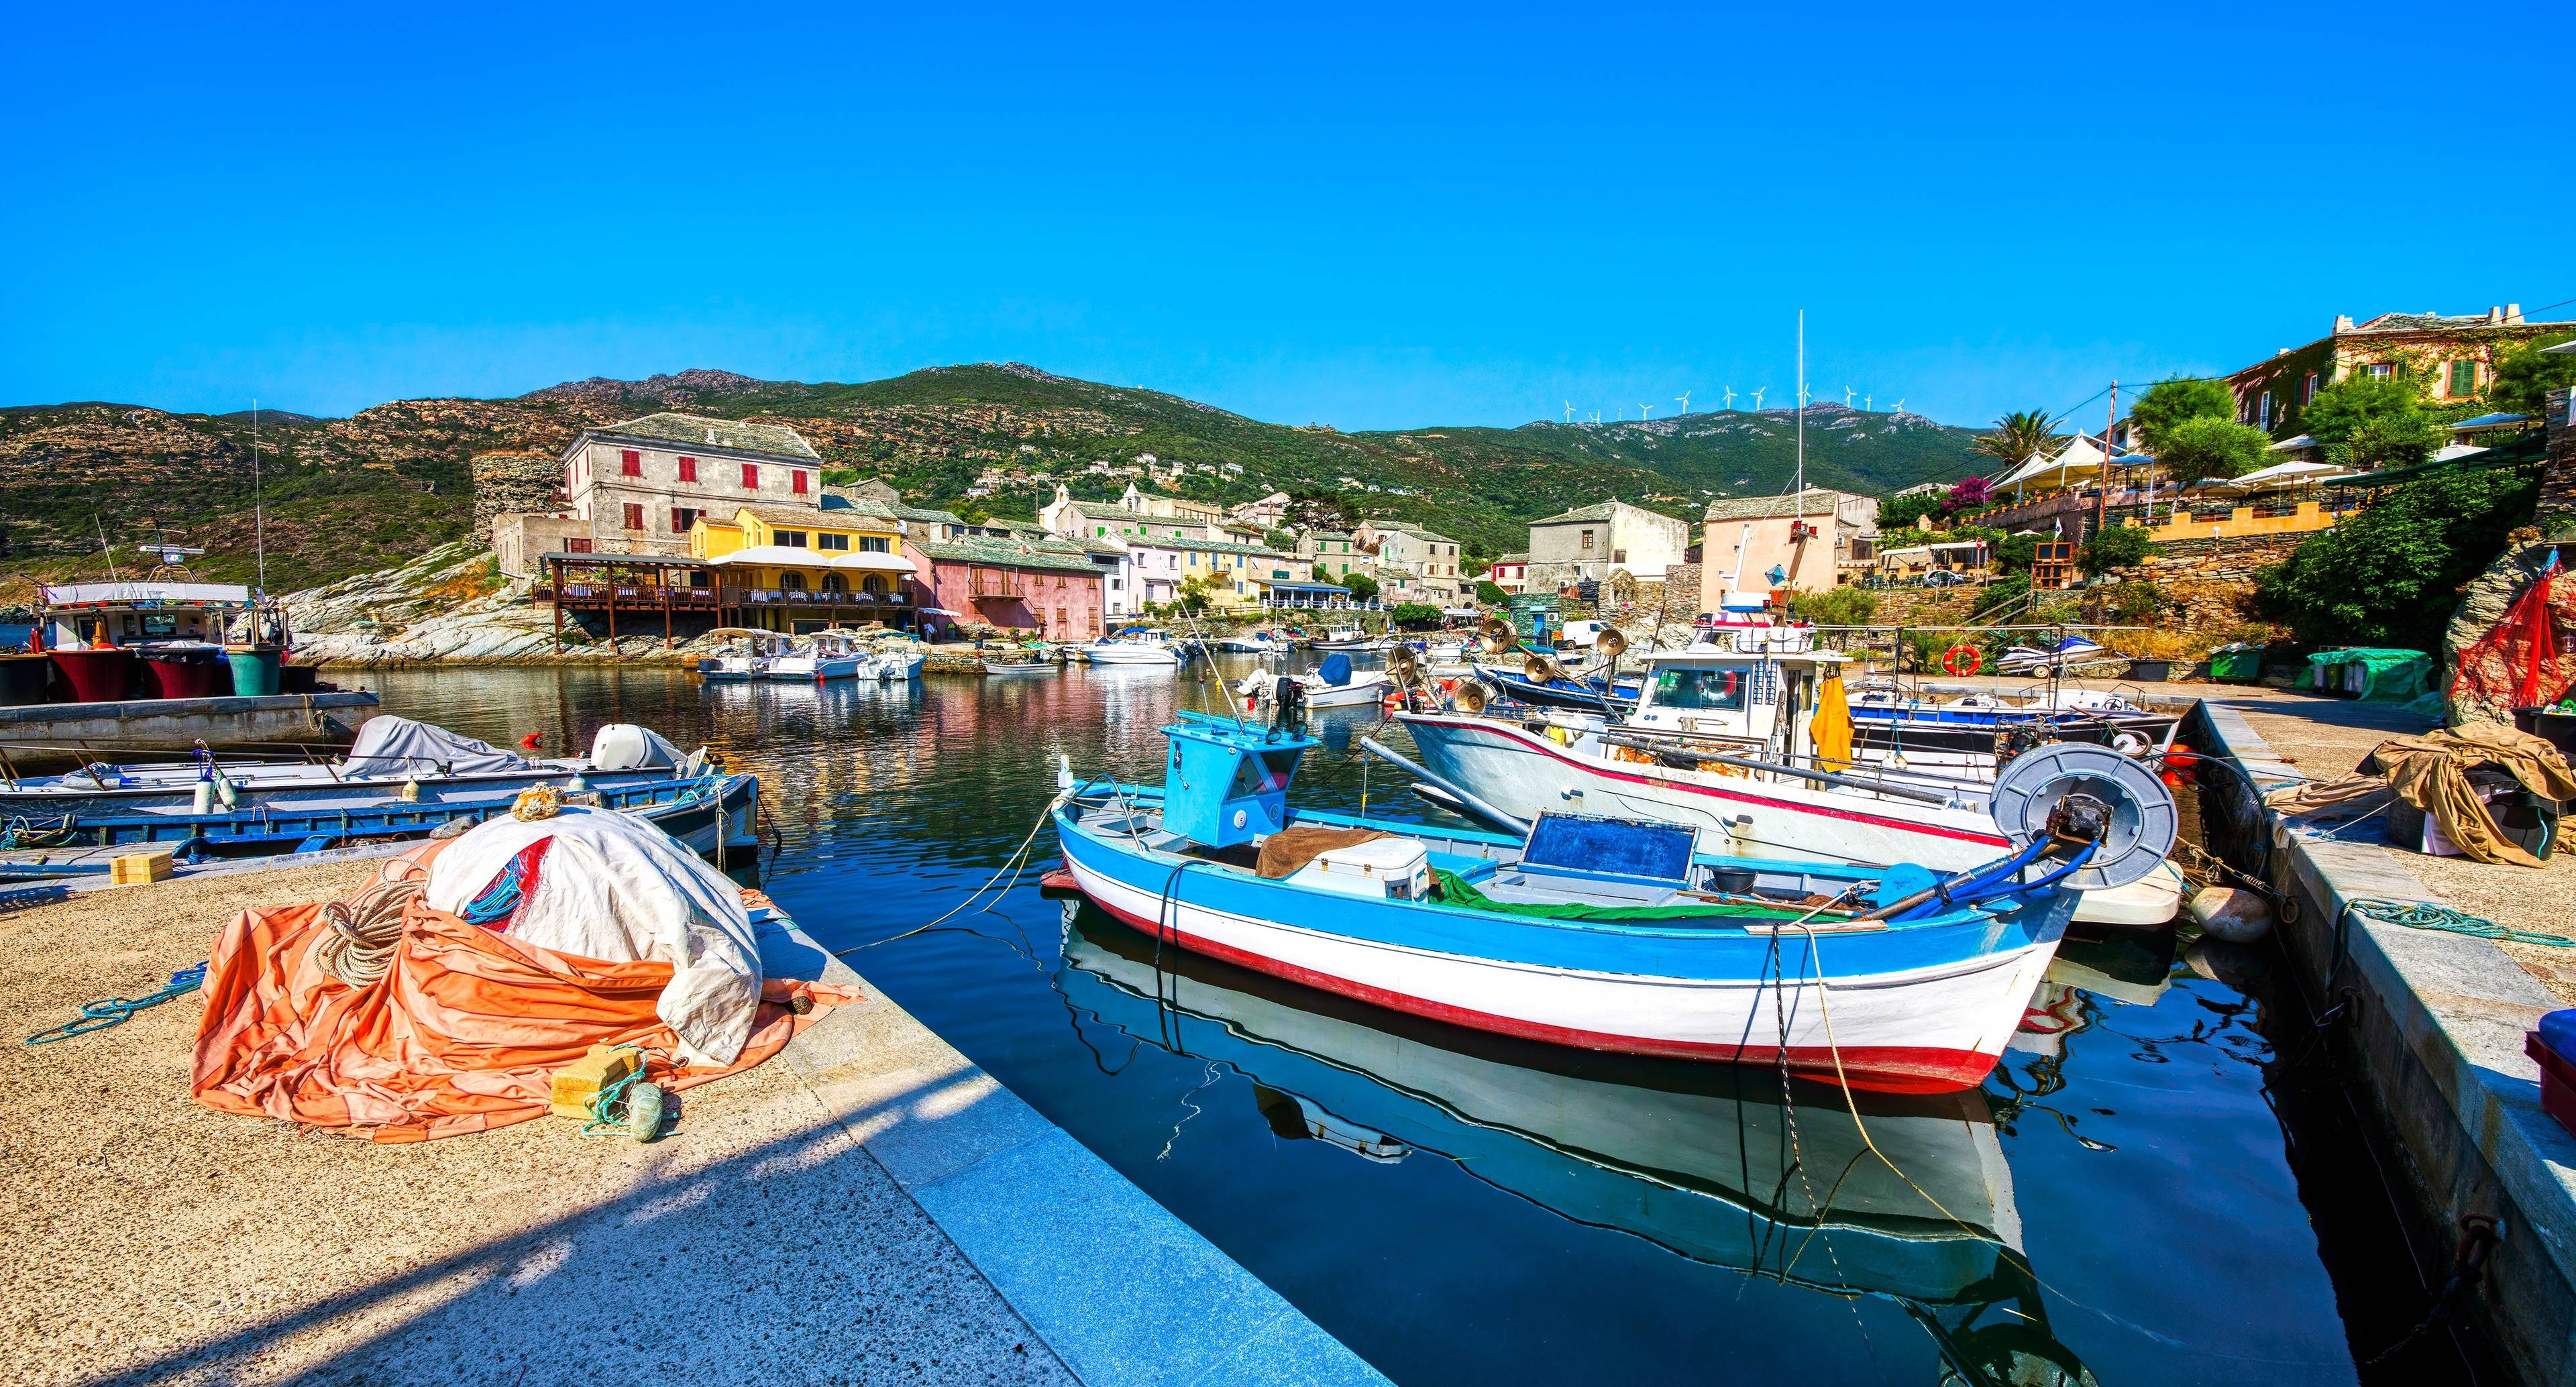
(1335, 670)
(1617, 847)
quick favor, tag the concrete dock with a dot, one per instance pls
(868, 1207)
(2433, 1021)
(177, 724)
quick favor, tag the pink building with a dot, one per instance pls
(1051, 590)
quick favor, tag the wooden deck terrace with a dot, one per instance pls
(638, 591)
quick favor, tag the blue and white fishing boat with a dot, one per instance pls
(1542, 683)
(710, 811)
(1607, 934)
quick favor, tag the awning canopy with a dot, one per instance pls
(2280, 477)
(875, 563)
(1287, 585)
(788, 556)
(2288, 445)
(145, 594)
(2497, 420)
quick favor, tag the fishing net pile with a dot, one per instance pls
(440, 1000)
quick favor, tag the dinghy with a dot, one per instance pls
(1610, 934)
(1332, 684)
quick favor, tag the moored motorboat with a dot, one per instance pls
(1331, 684)
(1137, 645)
(893, 666)
(814, 658)
(1698, 750)
(1600, 933)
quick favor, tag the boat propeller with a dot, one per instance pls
(2077, 793)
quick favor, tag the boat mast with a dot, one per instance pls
(258, 511)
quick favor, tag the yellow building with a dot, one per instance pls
(796, 569)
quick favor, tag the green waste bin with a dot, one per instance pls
(2236, 664)
(254, 671)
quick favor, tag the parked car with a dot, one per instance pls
(1944, 578)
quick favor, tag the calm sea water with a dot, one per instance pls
(2152, 1196)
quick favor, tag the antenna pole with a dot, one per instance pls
(258, 505)
(2102, 510)
(1801, 411)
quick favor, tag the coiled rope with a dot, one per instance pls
(364, 931)
(2426, 915)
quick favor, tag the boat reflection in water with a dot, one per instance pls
(1704, 1160)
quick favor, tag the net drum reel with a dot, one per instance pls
(2081, 791)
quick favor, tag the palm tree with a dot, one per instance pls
(2018, 436)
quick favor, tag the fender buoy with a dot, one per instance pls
(1961, 660)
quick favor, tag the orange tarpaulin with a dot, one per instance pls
(462, 1034)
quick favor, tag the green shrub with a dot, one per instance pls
(2116, 547)
(2200, 448)
(2170, 403)
(1413, 614)
(2364, 422)
(2000, 594)
(1363, 587)
(2133, 603)
(2525, 376)
(2390, 575)
(1844, 606)
(1490, 594)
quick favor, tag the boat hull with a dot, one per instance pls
(1934, 1021)
(1525, 775)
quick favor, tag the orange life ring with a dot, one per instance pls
(1950, 660)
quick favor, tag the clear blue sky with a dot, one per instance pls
(1358, 218)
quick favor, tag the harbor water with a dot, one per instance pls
(2159, 1184)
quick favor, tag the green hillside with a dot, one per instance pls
(345, 495)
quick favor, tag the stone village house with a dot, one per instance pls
(2449, 357)
(1589, 542)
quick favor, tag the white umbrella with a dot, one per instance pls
(2285, 475)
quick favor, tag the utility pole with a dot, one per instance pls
(2102, 510)
(258, 503)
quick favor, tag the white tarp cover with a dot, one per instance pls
(623, 746)
(112, 594)
(615, 888)
(392, 748)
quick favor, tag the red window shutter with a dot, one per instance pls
(688, 469)
(799, 485)
(630, 463)
(635, 515)
(681, 518)
(751, 476)
(576, 546)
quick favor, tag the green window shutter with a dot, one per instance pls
(2464, 377)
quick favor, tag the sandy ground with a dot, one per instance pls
(150, 1239)
(2326, 737)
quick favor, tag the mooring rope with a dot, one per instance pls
(2426, 915)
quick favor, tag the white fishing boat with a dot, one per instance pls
(1331, 684)
(893, 666)
(817, 657)
(1251, 643)
(1723, 741)
(1349, 640)
(1137, 645)
(746, 655)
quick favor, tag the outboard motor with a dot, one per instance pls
(1288, 705)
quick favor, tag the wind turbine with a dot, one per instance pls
(1757, 398)
(1643, 411)
(1900, 405)
(1684, 397)
(1865, 402)
(1848, 392)
(1730, 397)
(1569, 411)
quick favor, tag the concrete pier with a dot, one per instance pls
(177, 724)
(2435, 1021)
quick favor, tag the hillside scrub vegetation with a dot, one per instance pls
(2525, 376)
(2390, 575)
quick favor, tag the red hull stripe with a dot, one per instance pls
(1547, 748)
(1871, 1068)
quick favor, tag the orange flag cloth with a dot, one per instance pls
(462, 1034)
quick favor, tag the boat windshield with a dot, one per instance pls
(1708, 690)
